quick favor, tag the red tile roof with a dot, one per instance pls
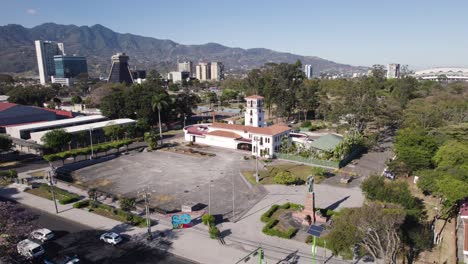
(254, 97)
(5, 106)
(221, 133)
(59, 112)
(271, 130)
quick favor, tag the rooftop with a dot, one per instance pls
(59, 122)
(270, 130)
(254, 97)
(221, 133)
(327, 142)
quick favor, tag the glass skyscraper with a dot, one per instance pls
(69, 66)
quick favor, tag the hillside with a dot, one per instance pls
(98, 43)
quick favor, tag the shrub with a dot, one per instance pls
(214, 232)
(81, 204)
(127, 204)
(267, 215)
(138, 220)
(306, 124)
(208, 219)
(286, 177)
(69, 199)
(269, 229)
(125, 215)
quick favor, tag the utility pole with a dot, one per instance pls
(209, 197)
(233, 200)
(146, 196)
(51, 183)
(256, 160)
(91, 138)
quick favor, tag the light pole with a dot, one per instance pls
(91, 139)
(233, 199)
(51, 183)
(256, 160)
(146, 195)
(209, 197)
(185, 118)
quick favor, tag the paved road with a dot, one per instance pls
(76, 239)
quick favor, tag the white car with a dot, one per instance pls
(29, 249)
(42, 234)
(63, 260)
(111, 238)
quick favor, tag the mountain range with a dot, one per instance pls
(99, 43)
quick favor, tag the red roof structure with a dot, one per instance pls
(270, 130)
(60, 113)
(254, 97)
(5, 106)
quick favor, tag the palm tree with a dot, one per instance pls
(159, 102)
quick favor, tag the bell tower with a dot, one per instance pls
(254, 115)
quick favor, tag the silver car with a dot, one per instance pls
(42, 234)
(111, 238)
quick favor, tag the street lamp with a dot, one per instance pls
(256, 159)
(51, 183)
(146, 196)
(91, 139)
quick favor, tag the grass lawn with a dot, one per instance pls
(172, 132)
(266, 177)
(114, 214)
(60, 194)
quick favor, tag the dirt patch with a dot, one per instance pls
(101, 183)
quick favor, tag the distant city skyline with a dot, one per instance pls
(422, 34)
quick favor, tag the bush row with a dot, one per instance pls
(267, 215)
(87, 151)
(9, 173)
(269, 229)
(130, 218)
(64, 197)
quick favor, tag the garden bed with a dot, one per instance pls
(111, 212)
(277, 223)
(63, 196)
(190, 152)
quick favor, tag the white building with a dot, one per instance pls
(254, 115)
(62, 81)
(177, 77)
(255, 137)
(45, 52)
(393, 71)
(203, 71)
(443, 74)
(37, 136)
(217, 71)
(308, 70)
(186, 66)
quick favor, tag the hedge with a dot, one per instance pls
(267, 215)
(269, 229)
(87, 151)
(68, 197)
(129, 217)
(81, 204)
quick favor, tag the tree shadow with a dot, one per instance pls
(335, 205)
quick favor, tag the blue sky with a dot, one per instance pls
(358, 32)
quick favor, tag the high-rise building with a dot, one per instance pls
(308, 70)
(45, 52)
(185, 66)
(393, 70)
(69, 66)
(254, 115)
(203, 71)
(217, 71)
(120, 72)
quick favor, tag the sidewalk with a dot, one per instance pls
(192, 243)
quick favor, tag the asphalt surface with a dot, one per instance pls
(75, 239)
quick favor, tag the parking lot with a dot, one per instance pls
(175, 179)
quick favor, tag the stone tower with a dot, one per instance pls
(254, 115)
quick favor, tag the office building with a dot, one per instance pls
(45, 52)
(177, 77)
(393, 70)
(186, 66)
(217, 71)
(120, 72)
(443, 74)
(308, 71)
(203, 71)
(69, 66)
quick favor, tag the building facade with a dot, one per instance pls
(443, 74)
(308, 70)
(393, 71)
(203, 71)
(217, 71)
(256, 138)
(45, 52)
(186, 66)
(177, 77)
(120, 72)
(69, 66)
(254, 115)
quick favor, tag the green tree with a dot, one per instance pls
(415, 148)
(159, 102)
(127, 204)
(211, 98)
(452, 154)
(76, 99)
(151, 139)
(114, 131)
(56, 139)
(5, 143)
(31, 95)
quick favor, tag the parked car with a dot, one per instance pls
(389, 175)
(111, 238)
(29, 249)
(63, 260)
(42, 234)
